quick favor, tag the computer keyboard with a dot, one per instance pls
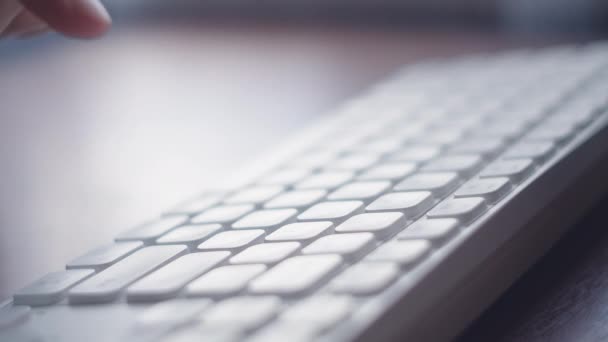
(402, 215)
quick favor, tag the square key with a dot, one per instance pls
(266, 253)
(300, 231)
(331, 211)
(412, 204)
(265, 219)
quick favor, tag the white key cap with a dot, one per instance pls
(195, 206)
(365, 278)
(362, 191)
(516, 170)
(464, 209)
(380, 146)
(105, 256)
(301, 231)
(50, 288)
(296, 199)
(324, 311)
(190, 235)
(492, 189)
(406, 253)
(557, 134)
(266, 253)
(242, 312)
(149, 232)
(234, 240)
(285, 177)
(282, 331)
(167, 281)
(331, 211)
(502, 130)
(439, 183)
(349, 246)
(436, 231)
(224, 281)
(390, 172)
(108, 284)
(353, 162)
(297, 275)
(265, 219)
(538, 151)
(445, 136)
(199, 332)
(171, 313)
(325, 180)
(223, 214)
(255, 194)
(420, 153)
(412, 204)
(484, 146)
(313, 159)
(382, 225)
(14, 315)
(463, 164)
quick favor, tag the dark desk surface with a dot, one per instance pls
(95, 137)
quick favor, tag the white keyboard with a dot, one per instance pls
(402, 215)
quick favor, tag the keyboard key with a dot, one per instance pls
(50, 288)
(349, 246)
(314, 159)
(324, 311)
(516, 170)
(244, 312)
(199, 332)
(325, 180)
(13, 316)
(445, 136)
(436, 231)
(171, 313)
(265, 219)
(223, 214)
(420, 153)
(285, 177)
(105, 256)
(491, 189)
(439, 183)
(107, 285)
(412, 204)
(190, 235)
(406, 253)
(486, 147)
(390, 172)
(462, 164)
(363, 191)
(331, 211)
(365, 278)
(380, 146)
(556, 134)
(353, 162)
(301, 231)
(382, 225)
(233, 241)
(297, 275)
(464, 209)
(538, 151)
(266, 253)
(224, 281)
(167, 281)
(255, 194)
(195, 206)
(149, 232)
(285, 331)
(296, 199)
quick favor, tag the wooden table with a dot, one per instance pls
(98, 136)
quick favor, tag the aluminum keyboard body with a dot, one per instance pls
(402, 215)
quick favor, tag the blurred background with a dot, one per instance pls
(98, 136)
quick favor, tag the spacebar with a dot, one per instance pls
(109, 283)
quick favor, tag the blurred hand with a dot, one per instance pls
(75, 18)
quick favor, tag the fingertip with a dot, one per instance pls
(76, 18)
